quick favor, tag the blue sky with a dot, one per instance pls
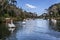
(37, 6)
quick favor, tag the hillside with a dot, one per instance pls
(8, 8)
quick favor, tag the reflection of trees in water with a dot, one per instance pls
(51, 25)
(4, 32)
(12, 37)
(58, 25)
(18, 28)
(55, 26)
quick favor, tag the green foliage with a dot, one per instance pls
(8, 9)
(55, 9)
(6, 15)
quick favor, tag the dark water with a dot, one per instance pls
(4, 32)
(37, 29)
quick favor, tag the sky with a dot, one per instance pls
(36, 6)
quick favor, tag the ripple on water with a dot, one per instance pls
(36, 30)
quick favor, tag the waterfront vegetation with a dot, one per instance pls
(53, 12)
(8, 9)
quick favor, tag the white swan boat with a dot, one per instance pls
(53, 20)
(24, 21)
(11, 25)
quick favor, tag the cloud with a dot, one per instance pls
(30, 6)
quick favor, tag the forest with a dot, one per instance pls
(8, 9)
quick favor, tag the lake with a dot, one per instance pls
(37, 29)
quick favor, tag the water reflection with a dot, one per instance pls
(37, 29)
(56, 26)
(4, 32)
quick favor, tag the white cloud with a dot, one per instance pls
(30, 6)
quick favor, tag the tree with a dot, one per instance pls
(13, 2)
(55, 9)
